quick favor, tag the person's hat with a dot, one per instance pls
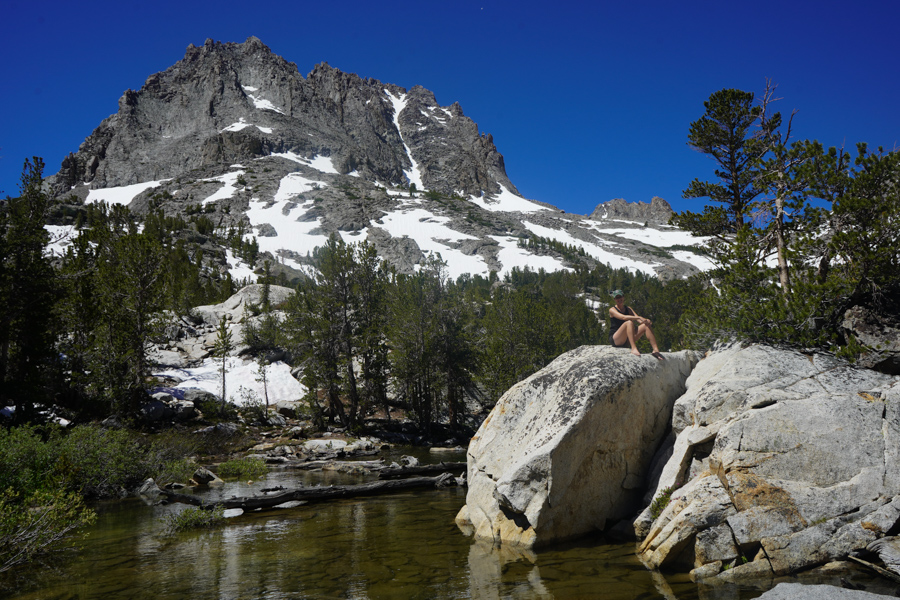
(615, 293)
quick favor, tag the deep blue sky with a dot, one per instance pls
(587, 101)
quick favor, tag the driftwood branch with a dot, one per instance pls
(876, 568)
(314, 494)
(444, 467)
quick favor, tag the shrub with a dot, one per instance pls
(38, 523)
(195, 518)
(28, 462)
(660, 503)
(176, 471)
(100, 462)
(243, 468)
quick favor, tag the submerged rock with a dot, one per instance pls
(566, 451)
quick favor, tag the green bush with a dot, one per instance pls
(176, 471)
(660, 503)
(28, 463)
(38, 523)
(195, 518)
(100, 462)
(243, 468)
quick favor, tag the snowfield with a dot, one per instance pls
(121, 195)
(241, 385)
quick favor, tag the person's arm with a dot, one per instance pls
(641, 320)
(632, 317)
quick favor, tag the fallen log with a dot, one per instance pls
(315, 494)
(883, 572)
(337, 465)
(443, 467)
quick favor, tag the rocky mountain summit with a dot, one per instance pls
(236, 133)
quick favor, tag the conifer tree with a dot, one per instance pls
(222, 347)
(28, 293)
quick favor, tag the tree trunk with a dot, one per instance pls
(312, 494)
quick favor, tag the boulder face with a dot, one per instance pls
(565, 451)
(784, 461)
(658, 211)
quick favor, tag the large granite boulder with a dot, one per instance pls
(785, 461)
(565, 451)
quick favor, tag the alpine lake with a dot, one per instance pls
(398, 546)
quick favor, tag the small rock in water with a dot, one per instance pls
(232, 512)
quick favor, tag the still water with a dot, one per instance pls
(399, 546)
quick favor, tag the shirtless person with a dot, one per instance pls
(622, 331)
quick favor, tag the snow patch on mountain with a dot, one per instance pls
(593, 249)
(123, 194)
(241, 385)
(506, 201)
(432, 235)
(260, 103)
(242, 123)
(511, 256)
(229, 187)
(413, 175)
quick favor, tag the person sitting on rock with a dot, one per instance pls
(622, 332)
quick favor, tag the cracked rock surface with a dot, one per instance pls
(784, 461)
(567, 450)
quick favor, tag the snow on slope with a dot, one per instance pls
(240, 380)
(594, 250)
(122, 194)
(227, 190)
(399, 103)
(430, 231)
(512, 256)
(506, 201)
(282, 215)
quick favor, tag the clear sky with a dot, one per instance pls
(587, 101)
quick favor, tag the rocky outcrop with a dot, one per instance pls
(798, 591)
(658, 211)
(879, 333)
(189, 340)
(565, 451)
(224, 103)
(784, 461)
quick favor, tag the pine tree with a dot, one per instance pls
(28, 293)
(221, 349)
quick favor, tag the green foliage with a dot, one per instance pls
(661, 501)
(28, 292)
(38, 523)
(221, 348)
(724, 134)
(177, 470)
(45, 475)
(249, 467)
(99, 463)
(335, 318)
(829, 229)
(194, 518)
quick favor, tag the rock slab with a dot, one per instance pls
(799, 464)
(566, 451)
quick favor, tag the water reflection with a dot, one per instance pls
(403, 546)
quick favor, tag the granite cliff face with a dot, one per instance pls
(658, 211)
(236, 133)
(226, 103)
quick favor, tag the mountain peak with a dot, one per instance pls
(236, 132)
